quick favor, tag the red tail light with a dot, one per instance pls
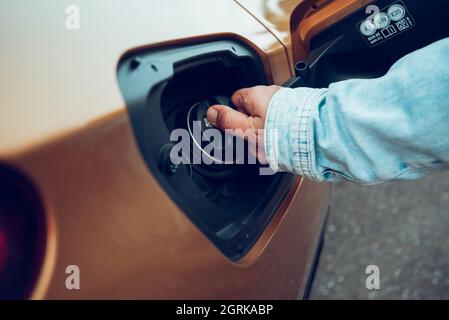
(22, 235)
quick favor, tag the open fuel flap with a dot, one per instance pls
(170, 88)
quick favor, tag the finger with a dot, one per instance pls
(242, 100)
(237, 97)
(225, 117)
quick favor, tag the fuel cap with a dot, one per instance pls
(206, 137)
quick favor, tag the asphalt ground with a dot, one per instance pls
(402, 227)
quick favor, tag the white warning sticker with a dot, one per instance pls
(388, 22)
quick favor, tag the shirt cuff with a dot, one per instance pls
(289, 139)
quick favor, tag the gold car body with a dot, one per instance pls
(64, 125)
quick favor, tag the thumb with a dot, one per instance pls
(225, 117)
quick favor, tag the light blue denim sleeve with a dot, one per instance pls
(366, 131)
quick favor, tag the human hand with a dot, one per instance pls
(249, 118)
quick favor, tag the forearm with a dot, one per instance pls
(367, 131)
